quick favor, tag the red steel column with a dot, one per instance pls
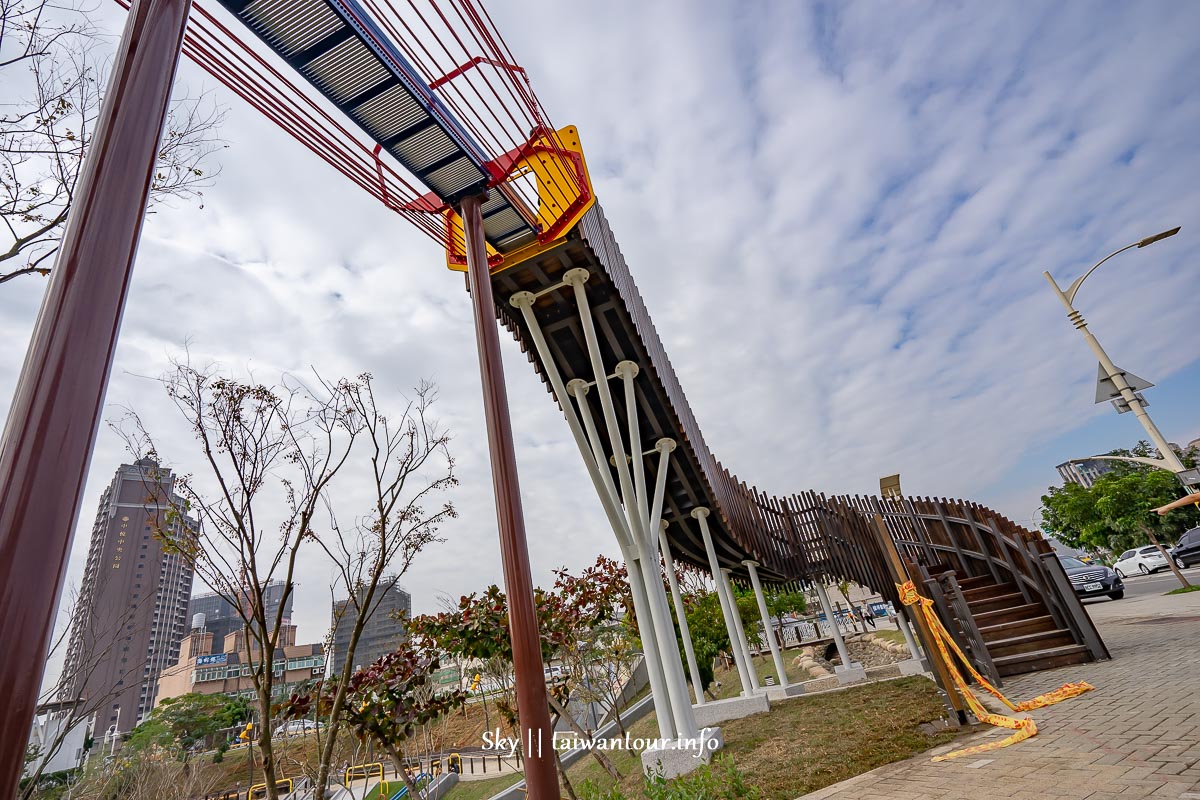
(51, 427)
(537, 737)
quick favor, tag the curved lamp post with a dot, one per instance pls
(1168, 459)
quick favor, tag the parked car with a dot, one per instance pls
(298, 727)
(1092, 580)
(1145, 560)
(1186, 551)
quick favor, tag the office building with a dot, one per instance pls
(383, 631)
(221, 617)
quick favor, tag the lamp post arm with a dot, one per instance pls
(1074, 287)
(1158, 463)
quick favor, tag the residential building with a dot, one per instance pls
(221, 617)
(1084, 471)
(383, 631)
(206, 666)
(131, 612)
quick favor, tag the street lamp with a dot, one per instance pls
(1129, 399)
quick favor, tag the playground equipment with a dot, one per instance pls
(259, 790)
(363, 771)
(433, 116)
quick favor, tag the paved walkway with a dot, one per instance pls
(1136, 736)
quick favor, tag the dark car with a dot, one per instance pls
(1187, 551)
(1092, 580)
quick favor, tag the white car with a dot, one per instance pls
(1141, 559)
(298, 727)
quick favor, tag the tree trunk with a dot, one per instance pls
(604, 760)
(1174, 567)
(566, 782)
(402, 771)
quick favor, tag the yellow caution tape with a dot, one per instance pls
(1024, 728)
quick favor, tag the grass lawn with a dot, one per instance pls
(731, 682)
(807, 743)
(1185, 590)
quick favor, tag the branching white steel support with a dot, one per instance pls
(741, 629)
(681, 615)
(714, 566)
(588, 442)
(612, 509)
(577, 278)
(636, 575)
(768, 628)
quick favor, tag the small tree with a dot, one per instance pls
(178, 724)
(387, 702)
(410, 467)
(785, 601)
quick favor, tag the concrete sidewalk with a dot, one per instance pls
(1137, 735)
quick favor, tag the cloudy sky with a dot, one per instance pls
(838, 214)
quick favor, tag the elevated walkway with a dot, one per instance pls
(802, 537)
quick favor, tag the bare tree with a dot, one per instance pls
(410, 466)
(271, 453)
(51, 59)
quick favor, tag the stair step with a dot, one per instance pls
(1030, 642)
(1041, 659)
(996, 603)
(1004, 616)
(1020, 627)
(989, 591)
(977, 581)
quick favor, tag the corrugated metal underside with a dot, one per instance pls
(339, 50)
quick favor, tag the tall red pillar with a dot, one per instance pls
(537, 737)
(51, 428)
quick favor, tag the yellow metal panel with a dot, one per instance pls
(565, 194)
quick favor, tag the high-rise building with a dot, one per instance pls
(1084, 471)
(131, 613)
(221, 617)
(383, 631)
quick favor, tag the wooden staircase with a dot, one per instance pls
(1020, 636)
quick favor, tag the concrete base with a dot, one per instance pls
(777, 693)
(718, 711)
(672, 759)
(912, 667)
(850, 673)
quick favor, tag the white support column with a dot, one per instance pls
(847, 666)
(663, 710)
(681, 706)
(651, 651)
(741, 630)
(681, 615)
(577, 278)
(768, 628)
(714, 566)
(627, 371)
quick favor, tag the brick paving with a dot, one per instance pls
(1136, 736)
